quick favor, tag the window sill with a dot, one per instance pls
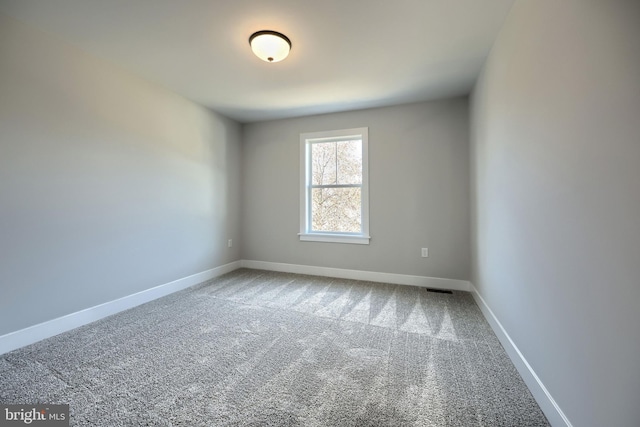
(334, 238)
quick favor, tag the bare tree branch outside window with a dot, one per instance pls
(336, 186)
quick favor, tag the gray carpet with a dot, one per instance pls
(256, 348)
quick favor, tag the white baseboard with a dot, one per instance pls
(35, 333)
(554, 414)
(32, 334)
(371, 276)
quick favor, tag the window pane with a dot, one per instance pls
(349, 154)
(323, 163)
(336, 209)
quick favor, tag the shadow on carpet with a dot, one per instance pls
(257, 348)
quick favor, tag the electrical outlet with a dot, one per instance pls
(230, 243)
(425, 252)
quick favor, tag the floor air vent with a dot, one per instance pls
(439, 291)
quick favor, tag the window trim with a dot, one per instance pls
(305, 233)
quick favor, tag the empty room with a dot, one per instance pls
(320, 213)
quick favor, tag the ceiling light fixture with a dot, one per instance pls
(270, 46)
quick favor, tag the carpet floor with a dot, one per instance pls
(257, 348)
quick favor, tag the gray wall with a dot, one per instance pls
(109, 185)
(556, 199)
(419, 191)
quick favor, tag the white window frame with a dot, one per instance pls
(306, 234)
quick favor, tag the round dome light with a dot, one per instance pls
(270, 46)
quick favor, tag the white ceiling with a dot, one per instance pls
(347, 54)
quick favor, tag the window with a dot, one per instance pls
(334, 190)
